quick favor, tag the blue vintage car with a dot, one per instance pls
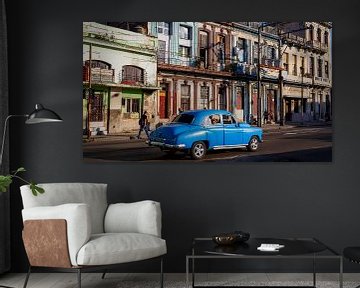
(200, 130)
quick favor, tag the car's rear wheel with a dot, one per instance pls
(198, 150)
(253, 144)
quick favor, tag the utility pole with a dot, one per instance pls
(281, 83)
(302, 93)
(89, 94)
(259, 80)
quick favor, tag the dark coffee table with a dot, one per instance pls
(294, 248)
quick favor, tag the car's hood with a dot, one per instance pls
(171, 130)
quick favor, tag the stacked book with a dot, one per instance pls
(270, 247)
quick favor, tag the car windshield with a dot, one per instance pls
(184, 118)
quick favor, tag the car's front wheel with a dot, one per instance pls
(253, 144)
(198, 150)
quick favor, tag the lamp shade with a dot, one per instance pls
(42, 115)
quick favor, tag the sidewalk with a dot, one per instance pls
(294, 125)
(131, 136)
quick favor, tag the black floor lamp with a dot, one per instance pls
(39, 115)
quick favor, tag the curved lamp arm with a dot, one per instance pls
(4, 134)
(39, 115)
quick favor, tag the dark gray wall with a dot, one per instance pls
(277, 199)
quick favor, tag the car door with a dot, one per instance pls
(215, 131)
(233, 134)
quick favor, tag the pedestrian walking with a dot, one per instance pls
(143, 124)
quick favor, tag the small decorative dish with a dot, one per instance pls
(231, 238)
(225, 239)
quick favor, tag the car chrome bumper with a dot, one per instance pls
(164, 145)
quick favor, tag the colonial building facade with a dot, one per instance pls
(120, 71)
(263, 72)
(307, 72)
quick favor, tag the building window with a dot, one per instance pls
(302, 67)
(311, 33)
(286, 61)
(241, 50)
(164, 28)
(326, 37)
(185, 97)
(204, 97)
(185, 51)
(132, 105)
(326, 69)
(295, 65)
(319, 34)
(319, 68)
(256, 53)
(221, 51)
(271, 53)
(132, 74)
(100, 71)
(161, 51)
(185, 32)
(312, 66)
(222, 97)
(98, 64)
(204, 47)
(228, 119)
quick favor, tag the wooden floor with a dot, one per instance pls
(123, 280)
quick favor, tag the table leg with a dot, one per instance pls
(193, 272)
(341, 273)
(187, 272)
(314, 271)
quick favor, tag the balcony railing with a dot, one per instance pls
(270, 63)
(254, 25)
(312, 44)
(294, 39)
(245, 69)
(99, 75)
(317, 45)
(133, 79)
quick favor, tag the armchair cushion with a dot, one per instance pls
(78, 221)
(113, 248)
(93, 194)
(138, 217)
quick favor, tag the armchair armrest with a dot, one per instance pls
(138, 217)
(78, 225)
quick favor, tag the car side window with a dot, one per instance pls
(213, 119)
(228, 119)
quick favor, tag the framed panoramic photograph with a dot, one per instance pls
(207, 91)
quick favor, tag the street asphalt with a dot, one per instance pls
(131, 136)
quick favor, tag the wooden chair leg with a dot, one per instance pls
(27, 277)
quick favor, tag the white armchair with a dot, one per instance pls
(71, 227)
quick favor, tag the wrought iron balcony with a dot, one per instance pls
(270, 63)
(134, 79)
(98, 75)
